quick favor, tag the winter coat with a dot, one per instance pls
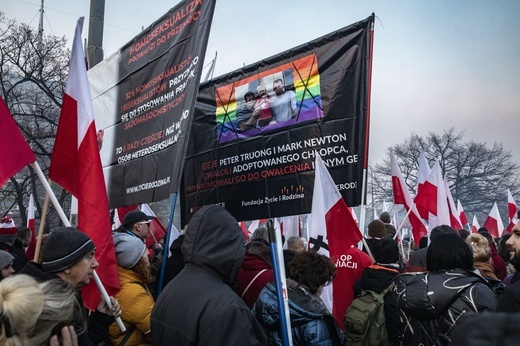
(136, 305)
(174, 263)
(97, 322)
(256, 262)
(311, 322)
(199, 306)
(377, 278)
(430, 304)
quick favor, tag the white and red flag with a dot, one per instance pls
(494, 222)
(462, 215)
(290, 226)
(76, 166)
(422, 175)
(30, 224)
(454, 213)
(16, 154)
(402, 196)
(255, 224)
(332, 231)
(432, 198)
(511, 211)
(475, 225)
(157, 230)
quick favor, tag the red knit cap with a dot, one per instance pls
(7, 229)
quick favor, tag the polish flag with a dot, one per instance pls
(454, 213)
(422, 175)
(157, 230)
(30, 224)
(120, 213)
(244, 229)
(354, 216)
(475, 225)
(76, 166)
(494, 223)
(402, 196)
(511, 211)
(255, 224)
(462, 215)
(433, 199)
(16, 154)
(332, 231)
(290, 226)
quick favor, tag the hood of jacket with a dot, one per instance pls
(215, 242)
(426, 296)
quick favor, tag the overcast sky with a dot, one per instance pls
(437, 64)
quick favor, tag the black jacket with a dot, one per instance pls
(199, 306)
(430, 304)
(377, 278)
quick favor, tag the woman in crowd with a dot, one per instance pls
(431, 303)
(134, 297)
(6, 264)
(311, 322)
(36, 314)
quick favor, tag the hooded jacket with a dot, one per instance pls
(430, 304)
(311, 322)
(199, 306)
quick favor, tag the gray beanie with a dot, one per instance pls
(5, 259)
(129, 249)
(65, 247)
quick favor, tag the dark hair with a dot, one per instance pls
(311, 269)
(502, 248)
(463, 233)
(249, 93)
(385, 217)
(376, 228)
(23, 232)
(423, 242)
(449, 251)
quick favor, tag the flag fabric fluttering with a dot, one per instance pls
(475, 225)
(76, 166)
(17, 153)
(290, 226)
(422, 175)
(244, 229)
(454, 213)
(402, 196)
(432, 197)
(255, 224)
(157, 230)
(511, 211)
(462, 215)
(30, 224)
(494, 223)
(332, 231)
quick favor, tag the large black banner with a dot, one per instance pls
(257, 130)
(144, 97)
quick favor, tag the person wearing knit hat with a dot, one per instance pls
(68, 254)
(8, 232)
(6, 264)
(379, 276)
(136, 301)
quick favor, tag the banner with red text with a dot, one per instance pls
(256, 131)
(144, 97)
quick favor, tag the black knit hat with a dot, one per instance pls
(65, 247)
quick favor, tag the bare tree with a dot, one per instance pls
(477, 174)
(33, 74)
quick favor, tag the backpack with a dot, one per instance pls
(364, 321)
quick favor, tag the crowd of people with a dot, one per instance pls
(220, 289)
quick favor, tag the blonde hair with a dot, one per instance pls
(480, 245)
(21, 302)
(31, 312)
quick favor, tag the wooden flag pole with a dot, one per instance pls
(42, 224)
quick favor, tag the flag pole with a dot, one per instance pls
(275, 241)
(166, 245)
(42, 224)
(66, 222)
